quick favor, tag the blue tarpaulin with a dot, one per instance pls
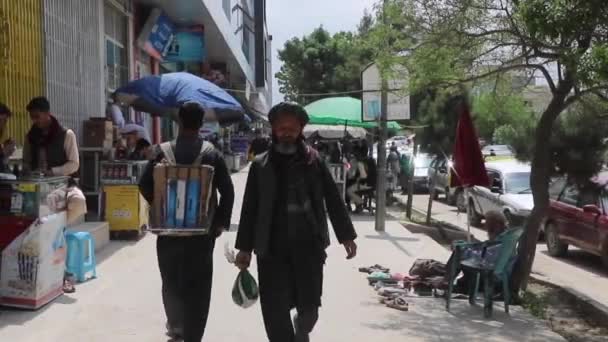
(162, 94)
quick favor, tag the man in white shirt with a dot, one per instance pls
(49, 148)
(358, 176)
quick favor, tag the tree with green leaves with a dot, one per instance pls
(497, 104)
(577, 146)
(321, 63)
(458, 42)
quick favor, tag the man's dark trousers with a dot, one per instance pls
(289, 281)
(186, 269)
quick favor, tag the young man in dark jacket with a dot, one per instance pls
(49, 147)
(288, 195)
(7, 148)
(186, 262)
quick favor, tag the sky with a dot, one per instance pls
(296, 18)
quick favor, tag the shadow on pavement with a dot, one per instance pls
(464, 322)
(394, 240)
(583, 260)
(112, 248)
(14, 316)
(19, 317)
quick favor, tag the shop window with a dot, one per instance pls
(116, 35)
(117, 65)
(246, 45)
(226, 4)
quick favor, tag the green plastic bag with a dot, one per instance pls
(245, 290)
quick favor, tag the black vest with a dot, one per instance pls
(55, 151)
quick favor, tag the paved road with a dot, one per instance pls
(579, 272)
(123, 304)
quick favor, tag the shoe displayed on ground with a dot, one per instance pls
(374, 268)
(398, 303)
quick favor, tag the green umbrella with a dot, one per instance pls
(340, 111)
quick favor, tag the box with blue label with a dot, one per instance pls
(182, 196)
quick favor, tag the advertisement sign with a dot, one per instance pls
(157, 34)
(33, 264)
(187, 46)
(398, 100)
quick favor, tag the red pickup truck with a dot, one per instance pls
(578, 216)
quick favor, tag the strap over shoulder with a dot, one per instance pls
(206, 148)
(167, 149)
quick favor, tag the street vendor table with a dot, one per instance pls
(125, 209)
(32, 241)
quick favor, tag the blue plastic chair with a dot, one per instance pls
(497, 265)
(80, 259)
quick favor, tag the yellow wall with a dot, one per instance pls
(21, 60)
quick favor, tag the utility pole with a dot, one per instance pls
(410, 185)
(381, 181)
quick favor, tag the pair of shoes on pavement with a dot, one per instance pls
(398, 303)
(374, 268)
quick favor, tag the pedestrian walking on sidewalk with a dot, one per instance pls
(186, 262)
(288, 195)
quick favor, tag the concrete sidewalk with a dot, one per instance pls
(580, 273)
(124, 304)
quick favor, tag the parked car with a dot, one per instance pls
(399, 140)
(422, 161)
(497, 150)
(440, 174)
(578, 216)
(509, 192)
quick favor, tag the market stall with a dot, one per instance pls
(124, 208)
(239, 146)
(32, 241)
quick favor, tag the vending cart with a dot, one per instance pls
(125, 209)
(32, 241)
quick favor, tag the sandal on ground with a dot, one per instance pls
(398, 303)
(374, 268)
(68, 286)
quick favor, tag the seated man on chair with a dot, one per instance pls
(495, 224)
(357, 180)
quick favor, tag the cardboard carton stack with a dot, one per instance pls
(98, 132)
(181, 198)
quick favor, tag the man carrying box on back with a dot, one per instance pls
(186, 262)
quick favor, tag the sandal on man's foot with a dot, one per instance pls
(68, 286)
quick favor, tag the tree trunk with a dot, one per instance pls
(541, 172)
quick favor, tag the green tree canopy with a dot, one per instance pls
(564, 41)
(322, 63)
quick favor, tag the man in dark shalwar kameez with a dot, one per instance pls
(288, 196)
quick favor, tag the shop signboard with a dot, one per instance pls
(398, 101)
(157, 34)
(188, 45)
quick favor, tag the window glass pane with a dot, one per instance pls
(518, 183)
(109, 53)
(570, 195)
(588, 195)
